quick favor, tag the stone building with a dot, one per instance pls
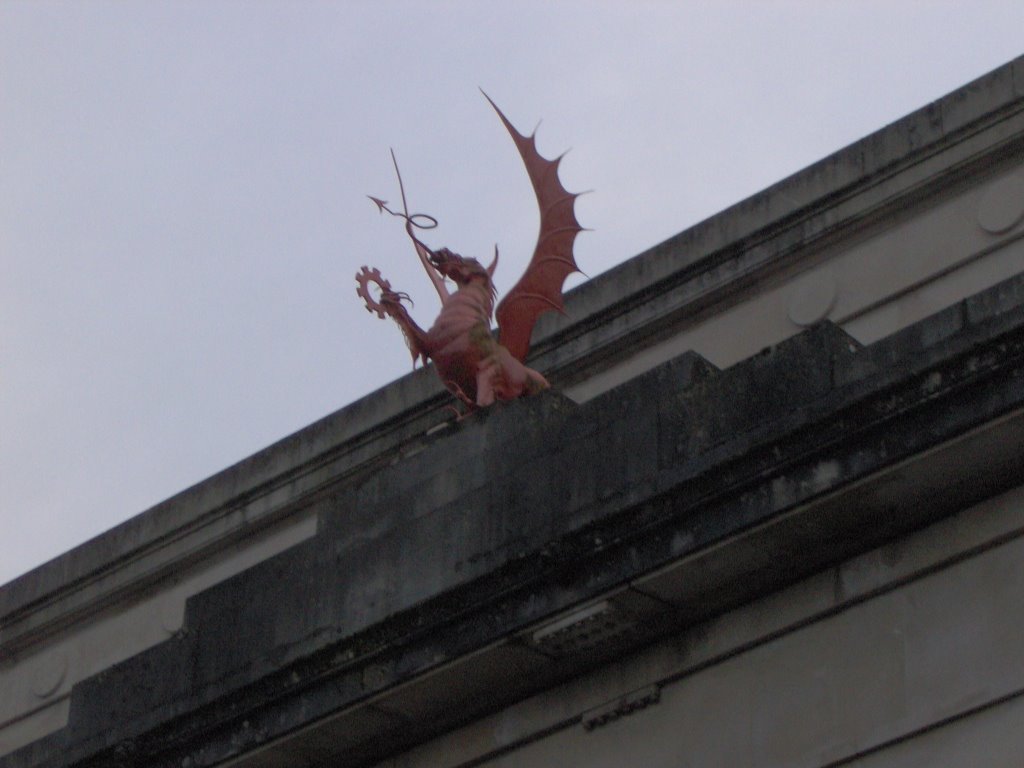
(770, 515)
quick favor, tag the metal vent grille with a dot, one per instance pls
(596, 625)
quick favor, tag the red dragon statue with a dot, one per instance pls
(474, 366)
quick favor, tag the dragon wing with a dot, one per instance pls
(540, 288)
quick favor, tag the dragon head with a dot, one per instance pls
(459, 269)
(463, 271)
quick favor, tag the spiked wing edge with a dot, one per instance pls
(539, 290)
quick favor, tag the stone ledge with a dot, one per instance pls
(498, 542)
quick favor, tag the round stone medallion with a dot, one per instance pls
(812, 298)
(49, 675)
(1002, 206)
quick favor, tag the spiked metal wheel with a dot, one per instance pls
(366, 276)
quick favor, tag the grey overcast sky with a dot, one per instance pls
(183, 192)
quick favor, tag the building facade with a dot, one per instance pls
(771, 514)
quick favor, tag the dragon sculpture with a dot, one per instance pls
(474, 366)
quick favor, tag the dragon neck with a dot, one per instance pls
(483, 294)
